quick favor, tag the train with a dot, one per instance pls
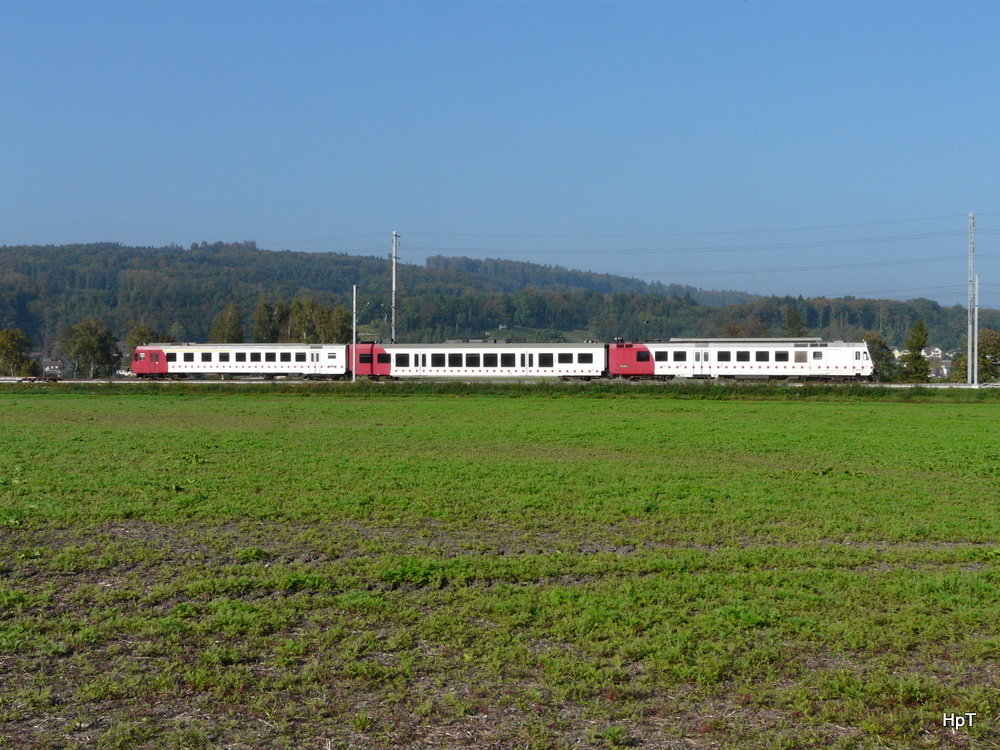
(691, 358)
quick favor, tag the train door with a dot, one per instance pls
(702, 364)
(315, 364)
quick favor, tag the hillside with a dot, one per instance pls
(44, 290)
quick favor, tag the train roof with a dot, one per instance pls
(762, 340)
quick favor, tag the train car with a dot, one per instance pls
(777, 358)
(784, 358)
(482, 359)
(309, 361)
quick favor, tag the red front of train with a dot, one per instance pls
(371, 360)
(149, 362)
(629, 361)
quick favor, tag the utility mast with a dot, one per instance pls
(395, 246)
(972, 351)
(354, 339)
(975, 337)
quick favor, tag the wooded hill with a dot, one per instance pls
(45, 290)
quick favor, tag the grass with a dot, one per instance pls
(547, 567)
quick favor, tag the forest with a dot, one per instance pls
(181, 293)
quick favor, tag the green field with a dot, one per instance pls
(382, 567)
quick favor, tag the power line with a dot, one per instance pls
(689, 234)
(321, 239)
(693, 249)
(790, 269)
(898, 291)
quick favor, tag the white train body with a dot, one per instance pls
(192, 360)
(484, 359)
(798, 358)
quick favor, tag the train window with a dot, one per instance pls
(206, 356)
(490, 360)
(331, 355)
(255, 356)
(223, 356)
(585, 358)
(139, 356)
(437, 360)
(817, 355)
(724, 356)
(171, 356)
(641, 356)
(781, 356)
(241, 356)
(680, 356)
(454, 360)
(285, 356)
(300, 356)
(472, 360)
(742, 356)
(762, 356)
(273, 357)
(801, 356)
(565, 358)
(383, 358)
(545, 360)
(508, 360)
(402, 359)
(531, 360)
(189, 356)
(423, 360)
(365, 359)
(522, 360)
(857, 355)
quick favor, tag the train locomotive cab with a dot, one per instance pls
(149, 362)
(628, 360)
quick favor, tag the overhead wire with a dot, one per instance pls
(689, 249)
(689, 234)
(468, 249)
(787, 269)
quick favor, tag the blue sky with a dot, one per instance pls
(807, 147)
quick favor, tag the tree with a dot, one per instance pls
(14, 348)
(93, 348)
(334, 325)
(143, 333)
(312, 323)
(228, 328)
(882, 358)
(265, 328)
(794, 325)
(989, 359)
(914, 366)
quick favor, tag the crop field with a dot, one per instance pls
(390, 567)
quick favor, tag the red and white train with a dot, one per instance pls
(784, 358)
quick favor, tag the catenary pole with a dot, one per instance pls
(354, 338)
(975, 336)
(395, 246)
(971, 350)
